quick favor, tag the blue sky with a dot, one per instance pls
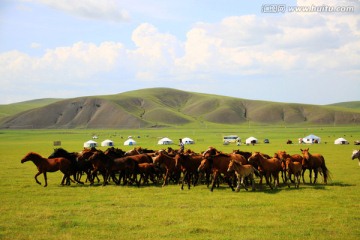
(65, 49)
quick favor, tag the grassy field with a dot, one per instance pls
(30, 211)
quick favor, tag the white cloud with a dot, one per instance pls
(285, 48)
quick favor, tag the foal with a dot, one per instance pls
(294, 168)
(242, 171)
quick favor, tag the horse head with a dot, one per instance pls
(355, 154)
(30, 157)
(305, 153)
(231, 166)
(59, 152)
(211, 151)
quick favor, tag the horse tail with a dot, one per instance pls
(325, 171)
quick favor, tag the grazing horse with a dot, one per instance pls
(242, 171)
(163, 159)
(315, 162)
(294, 168)
(268, 167)
(218, 164)
(356, 154)
(45, 165)
(189, 165)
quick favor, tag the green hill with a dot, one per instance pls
(167, 107)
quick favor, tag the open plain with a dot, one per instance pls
(30, 211)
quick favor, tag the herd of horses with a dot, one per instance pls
(211, 167)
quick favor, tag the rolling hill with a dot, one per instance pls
(161, 107)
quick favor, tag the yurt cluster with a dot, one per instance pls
(131, 142)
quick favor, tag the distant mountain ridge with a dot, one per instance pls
(156, 107)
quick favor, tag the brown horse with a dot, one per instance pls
(45, 165)
(282, 155)
(72, 156)
(189, 165)
(84, 163)
(218, 164)
(242, 171)
(314, 162)
(163, 159)
(294, 168)
(146, 171)
(268, 167)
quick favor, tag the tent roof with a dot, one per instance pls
(130, 140)
(312, 136)
(341, 139)
(251, 138)
(187, 139)
(90, 141)
(107, 142)
(165, 139)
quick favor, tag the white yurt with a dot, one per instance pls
(251, 140)
(311, 139)
(187, 140)
(90, 144)
(341, 141)
(107, 143)
(165, 141)
(130, 142)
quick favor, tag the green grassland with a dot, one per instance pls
(30, 211)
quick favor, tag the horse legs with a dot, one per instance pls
(215, 176)
(166, 178)
(36, 175)
(267, 176)
(45, 177)
(242, 183)
(298, 180)
(310, 176)
(315, 175)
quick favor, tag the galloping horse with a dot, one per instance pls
(72, 156)
(356, 154)
(314, 162)
(218, 164)
(267, 167)
(242, 171)
(45, 165)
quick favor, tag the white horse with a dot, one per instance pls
(356, 154)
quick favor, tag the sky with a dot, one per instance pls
(301, 51)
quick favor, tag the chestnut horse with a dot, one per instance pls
(163, 159)
(218, 164)
(242, 171)
(189, 165)
(294, 168)
(268, 167)
(72, 156)
(45, 165)
(315, 162)
(356, 154)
